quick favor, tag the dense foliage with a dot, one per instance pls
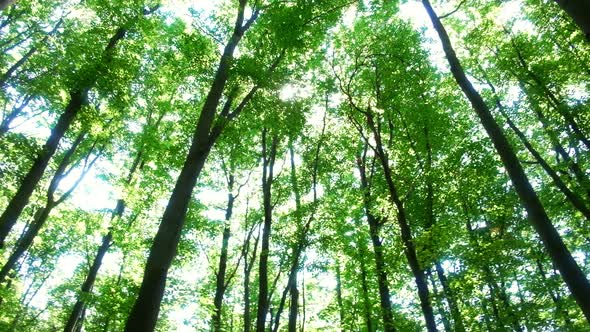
(299, 165)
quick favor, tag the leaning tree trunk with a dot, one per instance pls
(579, 11)
(144, 314)
(78, 96)
(41, 216)
(404, 226)
(339, 296)
(5, 3)
(76, 318)
(573, 276)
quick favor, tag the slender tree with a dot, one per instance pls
(570, 271)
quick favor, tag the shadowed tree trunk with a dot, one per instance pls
(78, 97)
(438, 300)
(6, 3)
(144, 314)
(42, 214)
(571, 196)
(374, 230)
(339, 296)
(560, 255)
(268, 161)
(579, 11)
(220, 276)
(76, 318)
(402, 220)
(248, 265)
(365, 290)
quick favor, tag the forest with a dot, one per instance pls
(295, 165)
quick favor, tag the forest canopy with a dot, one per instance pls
(294, 165)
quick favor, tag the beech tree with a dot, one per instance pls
(266, 165)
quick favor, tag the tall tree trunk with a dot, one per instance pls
(579, 11)
(268, 161)
(42, 214)
(571, 196)
(438, 299)
(339, 296)
(5, 3)
(406, 233)
(374, 230)
(248, 265)
(555, 297)
(8, 74)
(560, 255)
(553, 100)
(574, 167)
(76, 317)
(144, 314)
(365, 290)
(220, 283)
(430, 221)
(78, 96)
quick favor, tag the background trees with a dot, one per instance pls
(316, 164)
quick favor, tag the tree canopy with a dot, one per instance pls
(295, 165)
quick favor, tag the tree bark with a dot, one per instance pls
(78, 96)
(5, 3)
(339, 296)
(438, 300)
(268, 160)
(42, 214)
(571, 196)
(144, 314)
(406, 233)
(374, 230)
(220, 283)
(560, 255)
(76, 317)
(365, 290)
(579, 11)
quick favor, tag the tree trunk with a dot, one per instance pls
(5, 3)
(579, 11)
(406, 233)
(430, 221)
(247, 271)
(76, 317)
(27, 240)
(220, 285)
(144, 314)
(574, 167)
(339, 296)
(268, 157)
(365, 289)
(560, 255)
(438, 299)
(42, 214)
(571, 196)
(78, 98)
(374, 230)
